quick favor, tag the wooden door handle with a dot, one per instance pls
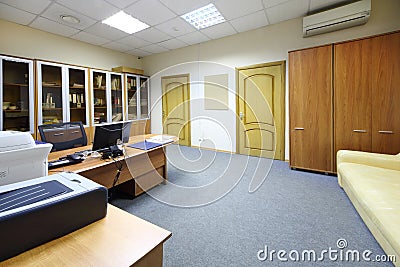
(298, 128)
(385, 132)
(359, 131)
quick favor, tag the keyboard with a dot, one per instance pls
(61, 162)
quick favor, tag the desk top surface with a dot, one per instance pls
(119, 239)
(92, 163)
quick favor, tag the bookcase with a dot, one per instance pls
(62, 93)
(17, 94)
(137, 102)
(108, 94)
(36, 92)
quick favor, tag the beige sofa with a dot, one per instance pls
(372, 183)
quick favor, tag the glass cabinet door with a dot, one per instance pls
(99, 81)
(132, 92)
(50, 93)
(77, 82)
(116, 97)
(16, 94)
(144, 97)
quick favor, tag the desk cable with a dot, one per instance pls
(119, 165)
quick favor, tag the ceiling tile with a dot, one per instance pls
(288, 10)
(152, 35)
(250, 22)
(117, 46)
(133, 41)
(151, 12)
(32, 6)
(184, 6)
(271, 3)
(219, 30)
(173, 44)
(138, 52)
(15, 15)
(238, 9)
(317, 4)
(55, 11)
(193, 38)
(121, 3)
(154, 48)
(105, 31)
(176, 27)
(96, 9)
(90, 38)
(53, 27)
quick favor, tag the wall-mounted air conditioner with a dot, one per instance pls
(347, 16)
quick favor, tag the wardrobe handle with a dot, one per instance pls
(386, 132)
(58, 134)
(359, 131)
(298, 128)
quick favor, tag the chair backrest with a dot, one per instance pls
(63, 135)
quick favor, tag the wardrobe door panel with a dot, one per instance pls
(310, 107)
(386, 94)
(352, 81)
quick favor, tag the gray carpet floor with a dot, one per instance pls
(291, 210)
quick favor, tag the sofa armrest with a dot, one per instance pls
(371, 159)
(366, 158)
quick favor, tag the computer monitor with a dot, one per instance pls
(107, 135)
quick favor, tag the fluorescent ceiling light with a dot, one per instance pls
(125, 23)
(204, 17)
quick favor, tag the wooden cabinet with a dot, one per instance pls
(367, 82)
(62, 93)
(366, 97)
(16, 94)
(310, 101)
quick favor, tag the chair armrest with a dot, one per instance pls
(372, 159)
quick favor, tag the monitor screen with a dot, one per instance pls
(108, 135)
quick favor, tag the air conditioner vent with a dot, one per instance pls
(338, 18)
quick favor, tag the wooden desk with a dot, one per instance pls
(119, 239)
(146, 168)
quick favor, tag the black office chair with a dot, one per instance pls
(63, 135)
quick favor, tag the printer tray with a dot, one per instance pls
(21, 231)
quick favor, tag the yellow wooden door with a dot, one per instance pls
(260, 110)
(175, 107)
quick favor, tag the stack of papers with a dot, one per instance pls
(161, 139)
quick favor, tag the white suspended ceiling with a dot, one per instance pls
(168, 30)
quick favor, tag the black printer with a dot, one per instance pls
(36, 211)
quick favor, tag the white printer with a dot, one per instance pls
(21, 158)
(38, 210)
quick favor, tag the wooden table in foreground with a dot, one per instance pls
(119, 239)
(146, 168)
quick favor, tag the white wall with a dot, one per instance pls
(267, 44)
(22, 41)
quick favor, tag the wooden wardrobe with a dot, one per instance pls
(361, 82)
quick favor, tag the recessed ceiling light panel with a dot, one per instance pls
(125, 23)
(204, 17)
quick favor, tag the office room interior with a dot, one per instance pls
(268, 136)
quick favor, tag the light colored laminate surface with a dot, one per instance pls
(119, 239)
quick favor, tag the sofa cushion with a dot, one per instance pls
(377, 190)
